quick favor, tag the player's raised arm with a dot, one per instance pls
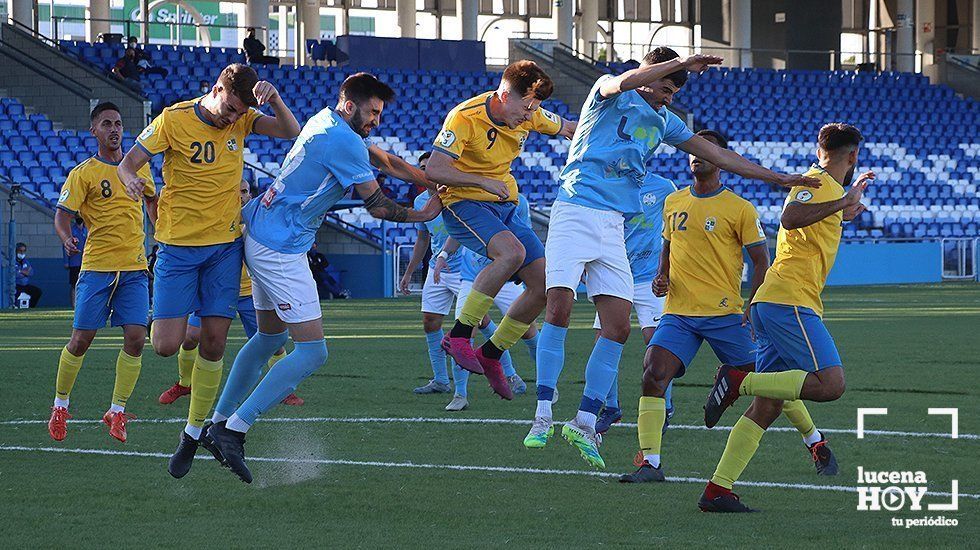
(441, 171)
(383, 208)
(730, 161)
(282, 124)
(799, 214)
(396, 167)
(647, 74)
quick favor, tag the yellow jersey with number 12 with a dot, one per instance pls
(202, 169)
(484, 146)
(114, 220)
(805, 256)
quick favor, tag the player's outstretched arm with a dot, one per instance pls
(136, 158)
(282, 124)
(440, 171)
(799, 214)
(418, 252)
(383, 208)
(62, 226)
(648, 74)
(730, 161)
(568, 128)
(396, 167)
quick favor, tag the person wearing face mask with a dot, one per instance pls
(143, 59)
(24, 273)
(127, 71)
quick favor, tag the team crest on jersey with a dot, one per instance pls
(758, 225)
(520, 143)
(649, 199)
(804, 196)
(232, 145)
(64, 195)
(551, 116)
(710, 223)
(447, 138)
(147, 132)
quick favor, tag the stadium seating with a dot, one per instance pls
(927, 165)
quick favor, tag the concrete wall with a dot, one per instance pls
(35, 228)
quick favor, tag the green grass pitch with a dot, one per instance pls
(416, 481)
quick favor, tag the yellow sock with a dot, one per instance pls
(185, 365)
(785, 385)
(275, 358)
(204, 389)
(477, 305)
(650, 424)
(508, 332)
(127, 373)
(742, 444)
(68, 367)
(797, 414)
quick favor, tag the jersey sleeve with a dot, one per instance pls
(246, 123)
(72, 192)
(456, 133)
(155, 138)
(750, 231)
(809, 195)
(149, 188)
(349, 161)
(676, 132)
(544, 121)
(596, 98)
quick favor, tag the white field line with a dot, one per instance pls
(452, 467)
(508, 421)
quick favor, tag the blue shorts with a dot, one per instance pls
(474, 223)
(122, 296)
(682, 335)
(791, 338)
(246, 314)
(202, 279)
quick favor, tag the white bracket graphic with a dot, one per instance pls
(954, 415)
(954, 499)
(862, 411)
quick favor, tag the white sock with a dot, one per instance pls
(654, 460)
(585, 419)
(544, 409)
(237, 424)
(193, 431)
(59, 402)
(813, 438)
(218, 417)
(116, 408)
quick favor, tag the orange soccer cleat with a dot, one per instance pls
(117, 423)
(173, 393)
(57, 426)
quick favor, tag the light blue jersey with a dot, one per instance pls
(471, 263)
(615, 138)
(327, 159)
(438, 235)
(644, 232)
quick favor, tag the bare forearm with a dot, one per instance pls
(797, 215)
(418, 252)
(62, 224)
(286, 123)
(453, 177)
(383, 208)
(151, 211)
(758, 277)
(396, 167)
(641, 76)
(731, 161)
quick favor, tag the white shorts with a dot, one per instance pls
(282, 283)
(586, 240)
(508, 293)
(649, 308)
(438, 297)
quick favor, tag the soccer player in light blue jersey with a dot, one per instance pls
(624, 120)
(328, 159)
(437, 295)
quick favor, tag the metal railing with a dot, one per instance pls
(133, 27)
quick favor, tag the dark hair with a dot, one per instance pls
(132, 39)
(361, 87)
(240, 80)
(424, 156)
(722, 141)
(527, 78)
(20, 245)
(101, 108)
(661, 54)
(838, 135)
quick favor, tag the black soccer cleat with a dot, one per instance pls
(823, 458)
(727, 503)
(231, 445)
(646, 474)
(183, 457)
(208, 444)
(723, 393)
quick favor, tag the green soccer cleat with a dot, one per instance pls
(584, 439)
(541, 430)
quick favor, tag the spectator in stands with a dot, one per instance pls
(24, 273)
(327, 287)
(128, 72)
(73, 263)
(205, 87)
(255, 51)
(143, 60)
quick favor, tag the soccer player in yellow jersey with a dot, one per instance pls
(797, 358)
(113, 284)
(705, 228)
(199, 229)
(472, 155)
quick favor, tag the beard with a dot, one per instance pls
(849, 176)
(357, 124)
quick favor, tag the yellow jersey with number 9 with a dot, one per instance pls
(484, 146)
(202, 169)
(114, 220)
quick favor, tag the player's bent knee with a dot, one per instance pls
(431, 322)
(79, 343)
(655, 381)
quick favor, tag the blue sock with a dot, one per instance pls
(505, 361)
(460, 377)
(247, 369)
(612, 398)
(551, 359)
(532, 346)
(601, 370)
(437, 356)
(283, 378)
(667, 395)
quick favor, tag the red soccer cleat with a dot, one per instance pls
(293, 399)
(58, 424)
(117, 423)
(495, 375)
(723, 393)
(173, 393)
(463, 353)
